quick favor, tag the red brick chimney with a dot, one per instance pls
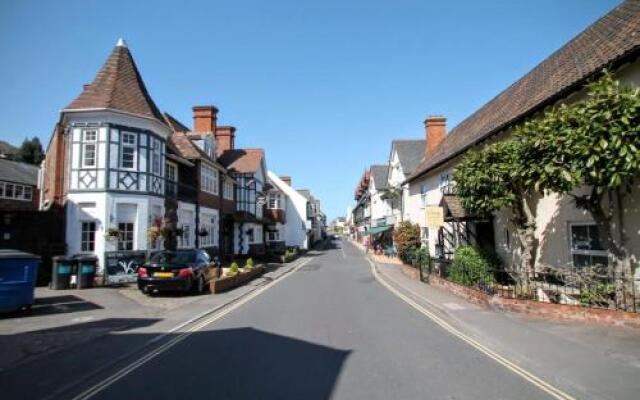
(225, 138)
(435, 127)
(204, 119)
(286, 179)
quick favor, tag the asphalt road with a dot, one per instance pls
(329, 330)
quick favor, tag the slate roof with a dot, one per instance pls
(380, 175)
(242, 160)
(607, 42)
(410, 153)
(119, 86)
(18, 172)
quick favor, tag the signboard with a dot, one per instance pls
(122, 266)
(434, 216)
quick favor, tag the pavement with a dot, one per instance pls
(331, 328)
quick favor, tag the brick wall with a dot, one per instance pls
(558, 312)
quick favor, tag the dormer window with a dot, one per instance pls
(209, 146)
(128, 151)
(89, 138)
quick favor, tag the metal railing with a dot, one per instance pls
(593, 287)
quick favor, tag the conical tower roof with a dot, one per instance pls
(118, 86)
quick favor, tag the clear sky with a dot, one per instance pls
(323, 86)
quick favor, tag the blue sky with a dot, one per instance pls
(323, 86)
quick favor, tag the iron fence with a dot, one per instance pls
(593, 287)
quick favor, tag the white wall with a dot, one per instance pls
(295, 231)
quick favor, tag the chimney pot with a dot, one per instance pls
(225, 138)
(435, 127)
(286, 179)
(204, 119)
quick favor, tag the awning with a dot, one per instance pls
(378, 229)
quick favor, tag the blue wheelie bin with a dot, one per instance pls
(18, 272)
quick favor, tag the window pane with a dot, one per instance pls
(8, 190)
(594, 236)
(580, 237)
(89, 155)
(127, 160)
(18, 193)
(1, 189)
(28, 192)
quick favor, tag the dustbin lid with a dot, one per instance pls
(10, 254)
(63, 258)
(85, 257)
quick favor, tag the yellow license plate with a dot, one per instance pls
(163, 274)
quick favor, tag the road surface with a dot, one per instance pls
(328, 330)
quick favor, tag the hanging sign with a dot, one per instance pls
(434, 216)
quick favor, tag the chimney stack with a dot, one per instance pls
(435, 127)
(204, 119)
(225, 138)
(286, 179)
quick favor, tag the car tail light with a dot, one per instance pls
(185, 272)
(142, 272)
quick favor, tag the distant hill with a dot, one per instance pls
(6, 148)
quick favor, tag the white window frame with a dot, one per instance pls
(26, 192)
(82, 236)
(209, 179)
(156, 162)
(227, 190)
(122, 242)
(273, 236)
(133, 146)
(277, 201)
(87, 143)
(589, 253)
(208, 222)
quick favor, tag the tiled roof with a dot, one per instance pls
(174, 124)
(242, 160)
(186, 148)
(609, 41)
(380, 175)
(118, 86)
(18, 172)
(410, 153)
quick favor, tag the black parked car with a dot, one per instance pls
(182, 270)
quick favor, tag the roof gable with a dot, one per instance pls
(118, 86)
(380, 176)
(410, 153)
(606, 42)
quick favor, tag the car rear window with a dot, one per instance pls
(179, 257)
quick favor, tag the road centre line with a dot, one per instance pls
(100, 386)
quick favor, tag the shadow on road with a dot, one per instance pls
(239, 363)
(54, 305)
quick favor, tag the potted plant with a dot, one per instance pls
(203, 232)
(111, 234)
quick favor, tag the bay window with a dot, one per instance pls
(89, 138)
(128, 151)
(209, 179)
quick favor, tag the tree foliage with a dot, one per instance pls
(30, 152)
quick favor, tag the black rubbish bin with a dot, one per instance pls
(63, 268)
(86, 270)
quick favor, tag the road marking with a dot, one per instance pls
(528, 376)
(97, 388)
(454, 306)
(342, 248)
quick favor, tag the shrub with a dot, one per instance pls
(473, 265)
(233, 270)
(249, 263)
(406, 238)
(421, 256)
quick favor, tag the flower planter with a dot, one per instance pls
(229, 282)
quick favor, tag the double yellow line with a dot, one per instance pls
(526, 375)
(97, 388)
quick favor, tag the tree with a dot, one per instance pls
(593, 143)
(30, 152)
(492, 179)
(406, 238)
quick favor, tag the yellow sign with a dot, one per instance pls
(434, 217)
